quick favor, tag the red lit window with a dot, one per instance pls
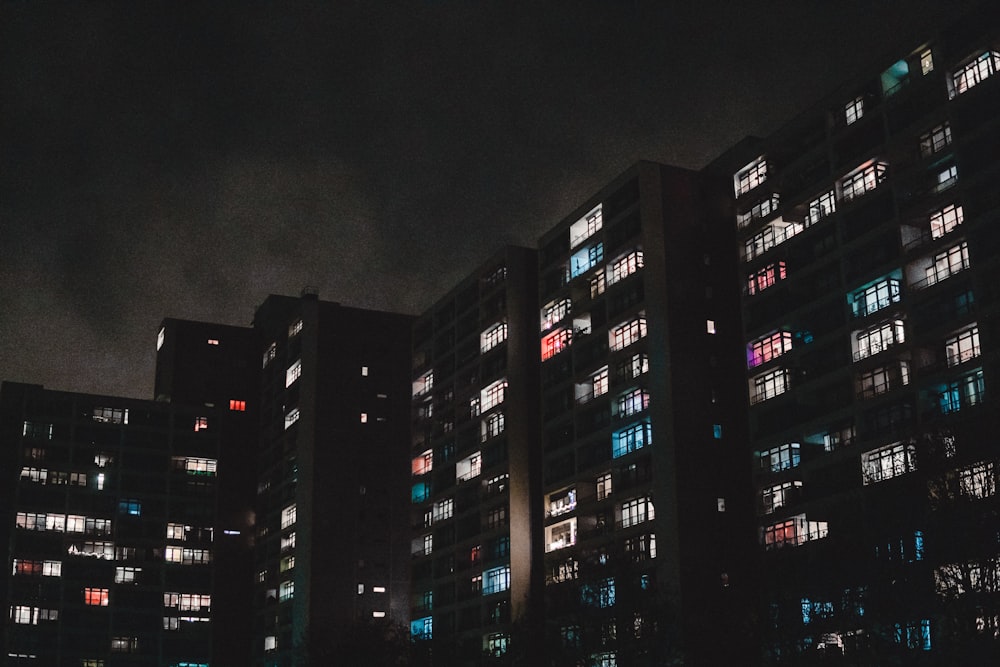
(239, 406)
(97, 597)
(474, 553)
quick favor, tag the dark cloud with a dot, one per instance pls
(185, 159)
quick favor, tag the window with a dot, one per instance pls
(627, 333)
(495, 644)
(237, 406)
(624, 266)
(293, 373)
(887, 462)
(560, 535)
(710, 326)
(779, 495)
(631, 438)
(269, 354)
(948, 263)
(641, 547)
(423, 463)
(935, 140)
(161, 337)
(782, 457)
(768, 347)
(635, 366)
(492, 337)
(492, 395)
(963, 392)
(604, 659)
(773, 234)
(854, 110)
(967, 77)
(286, 563)
(111, 415)
(946, 178)
(792, 532)
(566, 570)
(914, 635)
(597, 285)
(364, 417)
(603, 486)
(883, 379)
(286, 590)
(37, 430)
(423, 384)
(420, 492)
(636, 511)
(496, 580)
(978, 480)
(295, 328)
(769, 385)
(95, 597)
(469, 467)
(422, 628)
(632, 402)
(586, 259)
(176, 531)
(130, 506)
(555, 311)
(556, 342)
(758, 211)
(102, 550)
(962, 346)
(945, 220)
(288, 516)
(877, 339)
(750, 176)
(270, 643)
(200, 424)
(291, 417)
(761, 279)
(199, 556)
(492, 426)
(602, 595)
(586, 226)
(443, 509)
(496, 517)
(124, 644)
(561, 502)
(876, 296)
(599, 382)
(196, 466)
(821, 207)
(862, 180)
(126, 575)
(926, 62)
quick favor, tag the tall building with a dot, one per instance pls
(110, 508)
(869, 236)
(475, 460)
(646, 528)
(216, 366)
(332, 521)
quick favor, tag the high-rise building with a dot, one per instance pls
(332, 522)
(216, 366)
(474, 467)
(646, 528)
(110, 508)
(869, 231)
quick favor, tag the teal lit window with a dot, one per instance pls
(420, 492)
(130, 506)
(631, 438)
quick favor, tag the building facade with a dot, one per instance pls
(332, 520)
(110, 529)
(645, 531)
(868, 238)
(475, 485)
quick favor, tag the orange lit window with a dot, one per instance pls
(239, 406)
(200, 423)
(475, 553)
(97, 597)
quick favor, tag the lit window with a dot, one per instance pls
(110, 415)
(769, 385)
(761, 279)
(291, 417)
(195, 465)
(877, 339)
(560, 535)
(624, 266)
(792, 532)
(603, 486)
(978, 480)
(124, 644)
(561, 502)
(496, 580)
(95, 597)
(604, 659)
(854, 110)
(632, 402)
(200, 424)
(627, 333)
(364, 371)
(238, 406)
(880, 380)
(378, 589)
(717, 431)
(768, 347)
(750, 176)
(586, 226)
(443, 509)
(781, 457)
(270, 643)
(963, 392)
(423, 463)
(286, 590)
(422, 545)
(945, 220)
(422, 628)
(556, 342)
(967, 77)
(130, 506)
(914, 635)
(492, 395)
(495, 644)
(636, 511)
(710, 326)
(37, 430)
(286, 563)
(875, 296)
(821, 207)
(270, 353)
(586, 259)
(962, 346)
(641, 547)
(161, 336)
(773, 234)
(631, 438)
(862, 180)
(779, 495)
(887, 462)
(492, 337)
(293, 373)
(176, 531)
(126, 575)
(948, 263)
(597, 285)
(288, 516)
(469, 467)
(213, 341)
(946, 178)
(423, 384)
(295, 328)
(926, 62)
(758, 211)
(555, 311)
(492, 426)
(936, 140)
(420, 492)
(364, 417)
(602, 595)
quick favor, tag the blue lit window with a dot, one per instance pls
(129, 506)
(585, 259)
(717, 431)
(496, 580)
(631, 438)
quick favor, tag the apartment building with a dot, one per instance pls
(475, 484)
(869, 234)
(109, 522)
(332, 519)
(644, 488)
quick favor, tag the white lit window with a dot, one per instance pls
(978, 480)
(862, 180)
(288, 516)
(624, 266)
(769, 385)
(779, 495)
(603, 486)
(962, 346)
(875, 297)
(560, 535)
(710, 326)
(492, 395)
(768, 347)
(295, 328)
(781, 457)
(945, 220)
(443, 509)
(946, 178)
(555, 311)
(468, 468)
(926, 62)
(877, 339)
(492, 337)
(286, 590)
(821, 207)
(496, 580)
(293, 373)
(758, 211)
(974, 73)
(636, 511)
(270, 643)
(586, 226)
(422, 545)
(110, 415)
(364, 371)
(854, 110)
(792, 532)
(935, 140)
(161, 336)
(600, 382)
(126, 575)
(423, 384)
(364, 417)
(291, 417)
(194, 465)
(887, 462)
(561, 502)
(176, 531)
(773, 234)
(492, 426)
(270, 353)
(750, 176)
(948, 263)
(288, 541)
(632, 402)
(627, 333)
(597, 285)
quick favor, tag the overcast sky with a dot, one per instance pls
(185, 159)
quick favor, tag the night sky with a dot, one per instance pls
(185, 159)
